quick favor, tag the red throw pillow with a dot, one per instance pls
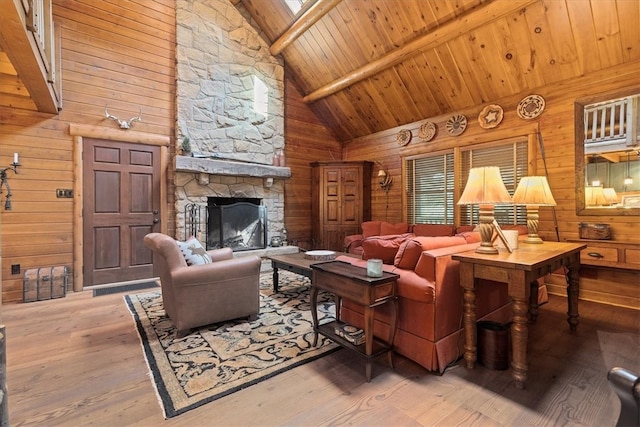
(370, 228)
(410, 251)
(399, 228)
(383, 248)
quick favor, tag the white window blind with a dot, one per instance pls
(430, 184)
(511, 158)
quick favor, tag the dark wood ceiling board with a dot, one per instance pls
(395, 25)
(401, 105)
(5, 65)
(607, 33)
(112, 27)
(341, 114)
(452, 81)
(361, 21)
(273, 18)
(432, 79)
(423, 100)
(335, 47)
(629, 17)
(344, 40)
(312, 65)
(468, 69)
(375, 115)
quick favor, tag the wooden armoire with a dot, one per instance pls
(341, 201)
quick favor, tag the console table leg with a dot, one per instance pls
(573, 289)
(470, 349)
(275, 276)
(314, 313)
(519, 333)
(368, 333)
(533, 302)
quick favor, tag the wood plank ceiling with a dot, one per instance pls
(369, 65)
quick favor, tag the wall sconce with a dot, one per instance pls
(4, 181)
(485, 188)
(533, 192)
(385, 180)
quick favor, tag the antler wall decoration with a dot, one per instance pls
(124, 124)
(384, 179)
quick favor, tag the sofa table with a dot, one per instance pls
(295, 263)
(520, 271)
(347, 281)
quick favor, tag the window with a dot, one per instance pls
(294, 5)
(511, 158)
(260, 96)
(429, 189)
(430, 182)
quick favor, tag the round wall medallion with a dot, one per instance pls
(490, 116)
(403, 137)
(456, 125)
(427, 131)
(530, 107)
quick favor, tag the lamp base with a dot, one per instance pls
(490, 250)
(533, 239)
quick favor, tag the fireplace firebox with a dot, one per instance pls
(236, 223)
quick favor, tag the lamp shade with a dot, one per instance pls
(594, 196)
(533, 190)
(485, 186)
(611, 195)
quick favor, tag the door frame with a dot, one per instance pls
(79, 132)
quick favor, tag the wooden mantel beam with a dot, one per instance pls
(22, 50)
(472, 20)
(310, 17)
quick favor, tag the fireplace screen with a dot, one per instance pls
(239, 224)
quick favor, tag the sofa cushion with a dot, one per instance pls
(383, 247)
(370, 228)
(433, 230)
(193, 251)
(410, 251)
(388, 228)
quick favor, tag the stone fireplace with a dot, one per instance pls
(230, 108)
(239, 223)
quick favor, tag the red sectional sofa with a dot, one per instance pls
(429, 328)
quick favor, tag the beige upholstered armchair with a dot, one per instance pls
(198, 295)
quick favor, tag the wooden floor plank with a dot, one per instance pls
(78, 361)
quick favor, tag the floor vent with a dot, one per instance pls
(124, 288)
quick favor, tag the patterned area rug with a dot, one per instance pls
(220, 359)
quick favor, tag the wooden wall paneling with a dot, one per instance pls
(306, 140)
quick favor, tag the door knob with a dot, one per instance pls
(156, 220)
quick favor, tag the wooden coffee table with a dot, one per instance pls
(296, 263)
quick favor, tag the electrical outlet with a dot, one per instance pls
(64, 193)
(15, 268)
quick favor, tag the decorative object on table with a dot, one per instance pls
(350, 333)
(427, 131)
(594, 196)
(530, 107)
(124, 124)
(485, 188)
(320, 255)
(385, 180)
(4, 181)
(374, 267)
(276, 241)
(595, 231)
(456, 125)
(186, 147)
(506, 243)
(533, 192)
(236, 349)
(490, 116)
(511, 236)
(403, 137)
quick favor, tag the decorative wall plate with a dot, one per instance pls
(427, 131)
(456, 125)
(490, 116)
(530, 107)
(403, 137)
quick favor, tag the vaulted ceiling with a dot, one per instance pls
(369, 65)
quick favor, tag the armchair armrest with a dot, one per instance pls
(220, 254)
(217, 271)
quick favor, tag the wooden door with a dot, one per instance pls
(121, 204)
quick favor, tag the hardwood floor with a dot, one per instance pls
(78, 361)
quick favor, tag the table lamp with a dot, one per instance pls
(485, 188)
(594, 196)
(611, 195)
(533, 192)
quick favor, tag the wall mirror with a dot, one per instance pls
(607, 147)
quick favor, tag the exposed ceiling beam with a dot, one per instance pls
(472, 20)
(302, 24)
(22, 51)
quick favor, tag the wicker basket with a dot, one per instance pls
(595, 231)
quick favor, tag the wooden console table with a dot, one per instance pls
(344, 280)
(520, 271)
